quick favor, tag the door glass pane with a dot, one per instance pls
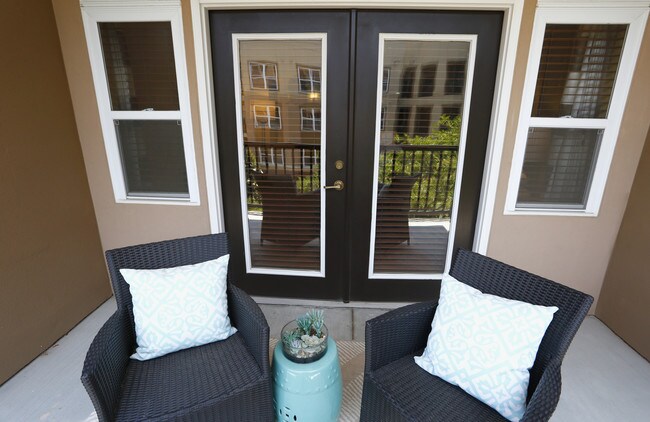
(281, 111)
(419, 139)
(139, 60)
(577, 70)
(558, 166)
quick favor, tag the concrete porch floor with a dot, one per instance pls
(603, 379)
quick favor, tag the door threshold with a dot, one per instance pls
(266, 300)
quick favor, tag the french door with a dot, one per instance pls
(351, 146)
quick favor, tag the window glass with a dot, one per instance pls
(558, 167)
(153, 157)
(139, 62)
(577, 70)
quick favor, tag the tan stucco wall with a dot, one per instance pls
(574, 251)
(52, 271)
(125, 224)
(625, 297)
(571, 250)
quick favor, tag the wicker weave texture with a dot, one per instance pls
(396, 389)
(223, 381)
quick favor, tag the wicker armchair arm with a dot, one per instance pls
(397, 333)
(247, 317)
(544, 400)
(106, 362)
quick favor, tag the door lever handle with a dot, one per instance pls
(338, 185)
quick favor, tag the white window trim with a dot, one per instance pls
(268, 116)
(603, 13)
(94, 12)
(264, 77)
(308, 124)
(311, 80)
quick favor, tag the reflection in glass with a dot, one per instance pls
(281, 120)
(139, 62)
(153, 157)
(558, 167)
(577, 70)
(418, 154)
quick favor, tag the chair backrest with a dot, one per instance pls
(496, 278)
(165, 254)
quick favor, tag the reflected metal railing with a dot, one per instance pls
(434, 165)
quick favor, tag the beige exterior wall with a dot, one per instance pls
(125, 224)
(52, 271)
(571, 250)
(625, 296)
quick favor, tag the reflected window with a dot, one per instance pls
(271, 155)
(451, 112)
(382, 123)
(427, 80)
(308, 79)
(267, 117)
(310, 119)
(422, 121)
(385, 83)
(263, 76)
(455, 81)
(402, 121)
(408, 80)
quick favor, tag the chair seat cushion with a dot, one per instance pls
(159, 388)
(424, 397)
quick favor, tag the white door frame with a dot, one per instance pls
(503, 85)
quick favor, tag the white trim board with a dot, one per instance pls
(512, 9)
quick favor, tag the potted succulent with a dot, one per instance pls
(304, 339)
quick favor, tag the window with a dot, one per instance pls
(270, 155)
(427, 80)
(385, 82)
(267, 117)
(137, 60)
(310, 119)
(406, 85)
(263, 76)
(308, 79)
(402, 121)
(422, 121)
(455, 81)
(382, 121)
(579, 73)
(452, 112)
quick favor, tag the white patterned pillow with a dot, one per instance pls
(485, 344)
(177, 308)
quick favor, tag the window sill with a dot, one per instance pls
(550, 212)
(158, 201)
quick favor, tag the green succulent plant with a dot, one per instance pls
(304, 324)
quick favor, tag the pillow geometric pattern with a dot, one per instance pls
(485, 344)
(181, 307)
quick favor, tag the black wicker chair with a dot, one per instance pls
(396, 389)
(227, 380)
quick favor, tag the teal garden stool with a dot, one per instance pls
(307, 392)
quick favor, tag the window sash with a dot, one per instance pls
(635, 18)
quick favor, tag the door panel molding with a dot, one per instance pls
(512, 9)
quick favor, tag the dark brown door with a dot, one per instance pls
(351, 146)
